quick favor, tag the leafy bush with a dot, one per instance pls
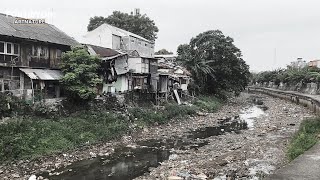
(305, 138)
(80, 74)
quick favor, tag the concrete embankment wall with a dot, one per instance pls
(309, 88)
(311, 102)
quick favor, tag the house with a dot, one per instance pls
(118, 39)
(125, 71)
(29, 57)
(143, 71)
(170, 75)
(114, 69)
(166, 58)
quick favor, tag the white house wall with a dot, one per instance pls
(101, 36)
(116, 39)
(144, 48)
(121, 85)
(135, 64)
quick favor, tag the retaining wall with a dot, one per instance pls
(310, 101)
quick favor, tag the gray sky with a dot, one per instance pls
(270, 33)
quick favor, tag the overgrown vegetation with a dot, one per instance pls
(34, 136)
(305, 138)
(37, 134)
(290, 75)
(208, 103)
(150, 116)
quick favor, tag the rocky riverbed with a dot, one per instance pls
(251, 154)
(207, 146)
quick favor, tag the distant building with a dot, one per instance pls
(314, 63)
(115, 38)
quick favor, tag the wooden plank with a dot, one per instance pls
(177, 96)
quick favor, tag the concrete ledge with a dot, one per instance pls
(310, 101)
(306, 166)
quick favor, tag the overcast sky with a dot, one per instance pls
(270, 33)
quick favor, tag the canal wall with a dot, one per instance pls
(310, 101)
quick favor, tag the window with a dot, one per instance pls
(16, 49)
(59, 53)
(34, 51)
(9, 48)
(2, 47)
(44, 52)
(183, 81)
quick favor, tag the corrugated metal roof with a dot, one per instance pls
(42, 74)
(103, 51)
(41, 32)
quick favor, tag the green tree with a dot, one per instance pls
(163, 51)
(80, 74)
(138, 24)
(215, 63)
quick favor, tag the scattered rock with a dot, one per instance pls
(202, 176)
(175, 178)
(173, 157)
(201, 114)
(15, 175)
(33, 177)
(92, 154)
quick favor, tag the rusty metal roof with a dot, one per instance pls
(40, 32)
(104, 52)
(42, 74)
